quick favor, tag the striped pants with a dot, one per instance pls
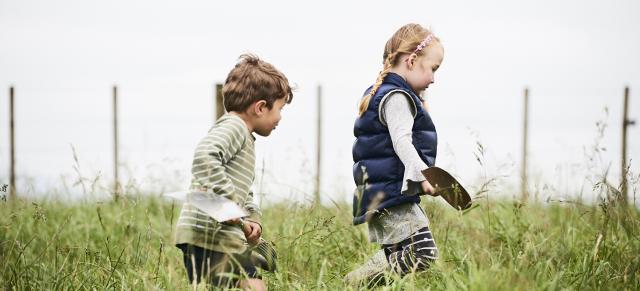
(412, 254)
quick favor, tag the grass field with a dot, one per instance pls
(495, 246)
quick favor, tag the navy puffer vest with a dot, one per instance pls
(377, 170)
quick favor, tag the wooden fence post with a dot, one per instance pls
(12, 171)
(525, 140)
(116, 192)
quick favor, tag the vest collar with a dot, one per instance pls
(398, 81)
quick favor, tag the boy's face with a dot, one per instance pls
(269, 118)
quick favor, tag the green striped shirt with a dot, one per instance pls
(223, 164)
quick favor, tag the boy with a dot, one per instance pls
(254, 94)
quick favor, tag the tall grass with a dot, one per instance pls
(494, 246)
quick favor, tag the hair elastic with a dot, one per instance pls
(425, 42)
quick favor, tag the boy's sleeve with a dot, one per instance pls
(215, 150)
(255, 214)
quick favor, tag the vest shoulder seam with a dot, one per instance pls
(413, 103)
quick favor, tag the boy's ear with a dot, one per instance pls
(260, 107)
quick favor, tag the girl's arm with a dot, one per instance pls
(398, 113)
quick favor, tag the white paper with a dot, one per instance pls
(219, 208)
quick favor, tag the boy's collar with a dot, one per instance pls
(234, 115)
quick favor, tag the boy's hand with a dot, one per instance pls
(235, 221)
(427, 188)
(252, 231)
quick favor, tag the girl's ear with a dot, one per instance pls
(260, 107)
(411, 61)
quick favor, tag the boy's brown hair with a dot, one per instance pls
(253, 79)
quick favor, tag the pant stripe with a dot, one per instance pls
(414, 253)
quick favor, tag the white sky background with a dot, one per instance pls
(63, 57)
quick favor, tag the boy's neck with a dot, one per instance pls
(248, 121)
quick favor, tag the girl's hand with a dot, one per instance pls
(427, 188)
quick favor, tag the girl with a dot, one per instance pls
(396, 140)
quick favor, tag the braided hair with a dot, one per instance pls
(404, 41)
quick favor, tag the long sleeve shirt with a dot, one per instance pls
(223, 165)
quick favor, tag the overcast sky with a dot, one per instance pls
(63, 57)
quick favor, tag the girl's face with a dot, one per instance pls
(422, 69)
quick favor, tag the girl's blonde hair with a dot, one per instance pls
(404, 41)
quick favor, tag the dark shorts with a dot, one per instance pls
(218, 269)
